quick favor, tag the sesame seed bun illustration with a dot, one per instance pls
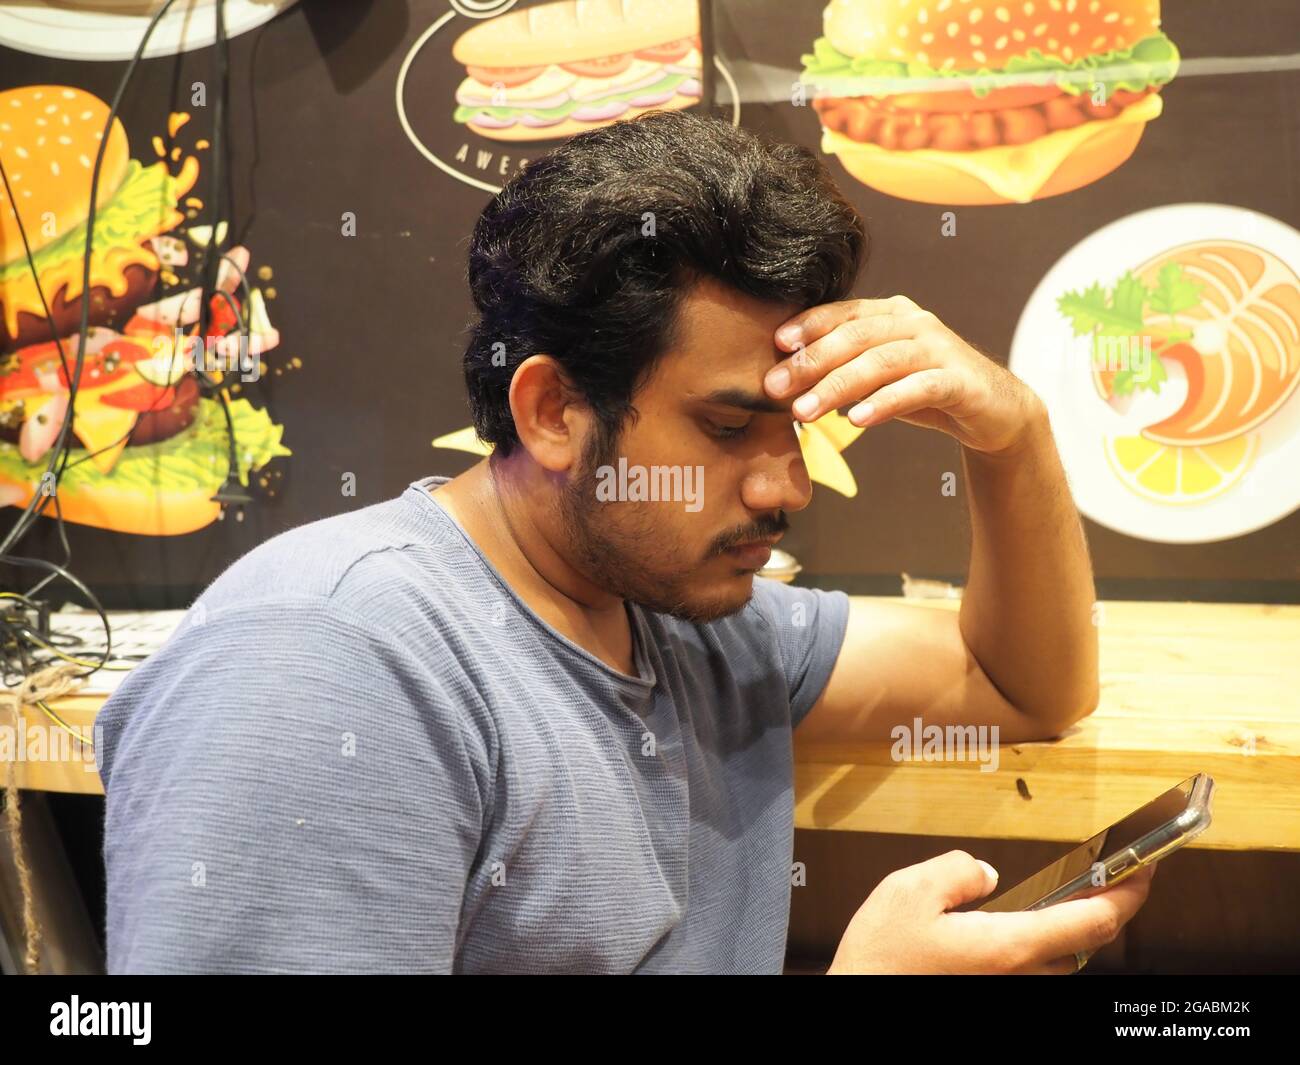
(986, 101)
(49, 135)
(149, 448)
(556, 69)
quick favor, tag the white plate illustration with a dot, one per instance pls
(1194, 491)
(111, 29)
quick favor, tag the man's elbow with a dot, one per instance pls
(1051, 718)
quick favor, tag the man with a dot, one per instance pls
(527, 720)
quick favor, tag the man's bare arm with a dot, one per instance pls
(1027, 612)
(1022, 652)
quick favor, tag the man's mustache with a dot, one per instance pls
(760, 530)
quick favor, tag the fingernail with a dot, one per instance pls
(988, 868)
(778, 380)
(861, 414)
(788, 334)
(805, 406)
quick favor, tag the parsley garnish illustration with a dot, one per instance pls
(1122, 311)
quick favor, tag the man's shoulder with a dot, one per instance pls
(324, 621)
(334, 558)
(798, 630)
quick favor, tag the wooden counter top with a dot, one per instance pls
(1186, 688)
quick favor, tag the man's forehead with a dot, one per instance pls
(713, 316)
(724, 340)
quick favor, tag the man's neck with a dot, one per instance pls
(517, 529)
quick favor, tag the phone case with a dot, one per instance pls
(1189, 824)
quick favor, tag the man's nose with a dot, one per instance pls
(778, 482)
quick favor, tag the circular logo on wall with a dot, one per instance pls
(488, 85)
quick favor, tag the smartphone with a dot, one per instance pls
(1143, 837)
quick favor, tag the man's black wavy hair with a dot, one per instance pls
(561, 262)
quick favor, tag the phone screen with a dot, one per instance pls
(1114, 840)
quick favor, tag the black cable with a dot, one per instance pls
(59, 453)
(211, 253)
(242, 317)
(15, 535)
(18, 632)
(31, 263)
(76, 582)
(228, 492)
(62, 448)
(63, 539)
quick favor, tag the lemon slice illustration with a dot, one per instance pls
(1176, 475)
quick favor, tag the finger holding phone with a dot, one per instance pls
(907, 924)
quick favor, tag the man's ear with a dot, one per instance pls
(549, 417)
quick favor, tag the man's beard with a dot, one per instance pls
(617, 547)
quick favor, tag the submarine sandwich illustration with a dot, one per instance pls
(553, 70)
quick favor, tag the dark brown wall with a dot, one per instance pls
(376, 319)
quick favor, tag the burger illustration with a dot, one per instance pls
(986, 101)
(154, 443)
(553, 70)
(1226, 313)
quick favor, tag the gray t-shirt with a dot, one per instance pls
(362, 752)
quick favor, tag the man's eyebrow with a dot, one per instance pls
(758, 402)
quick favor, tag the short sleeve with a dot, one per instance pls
(809, 624)
(288, 790)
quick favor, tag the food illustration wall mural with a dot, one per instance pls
(1099, 193)
(1174, 384)
(553, 70)
(986, 101)
(528, 77)
(154, 441)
